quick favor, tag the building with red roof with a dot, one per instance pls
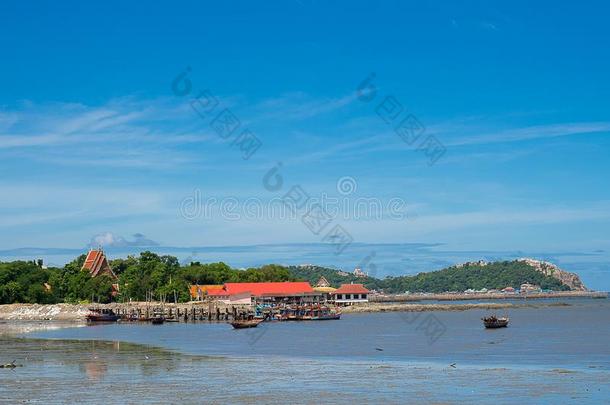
(349, 294)
(198, 292)
(97, 264)
(275, 289)
(243, 293)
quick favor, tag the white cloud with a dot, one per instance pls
(109, 239)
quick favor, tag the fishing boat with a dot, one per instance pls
(246, 323)
(326, 316)
(157, 320)
(323, 313)
(493, 322)
(101, 315)
(307, 313)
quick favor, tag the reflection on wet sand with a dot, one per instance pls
(58, 371)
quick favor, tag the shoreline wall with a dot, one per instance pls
(486, 296)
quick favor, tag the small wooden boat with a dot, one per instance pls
(11, 365)
(246, 323)
(157, 320)
(493, 322)
(323, 313)
(327, 316)
(102, 315)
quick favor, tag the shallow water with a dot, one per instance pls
(549, 354)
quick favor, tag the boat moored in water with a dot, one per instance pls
(246, 323)
(493, 322)
(157, 320)
(308, 313)
(102, 315)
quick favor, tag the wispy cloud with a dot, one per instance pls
(462, 135)
(122, 133)
(38, 204)
(44, 124)
(489, 26)
(299, 105)
(540, 215)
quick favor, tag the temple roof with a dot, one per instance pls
(323, 282)
(97, 264)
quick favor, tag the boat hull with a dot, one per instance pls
(102, 318)
(245, 324)
(327, 317)
(495, 323)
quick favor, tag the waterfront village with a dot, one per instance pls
(246, 304)
(252, 301)
(97, 263)
(276, 293)
(246, 293)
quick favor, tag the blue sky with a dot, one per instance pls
(94, 142)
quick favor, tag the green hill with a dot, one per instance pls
(495, 275)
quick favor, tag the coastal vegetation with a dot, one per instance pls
(153, 276)
(497, 275)
(147, 276)
(28, 282)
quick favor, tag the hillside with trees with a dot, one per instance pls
(497, 275)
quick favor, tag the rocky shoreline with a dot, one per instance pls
(39, 312)
(398, 307)
(485, 296)
(394, 307)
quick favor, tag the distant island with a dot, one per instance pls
(469, 276)
(150, 276)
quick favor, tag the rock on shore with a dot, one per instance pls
(37, 312)
(549, 269)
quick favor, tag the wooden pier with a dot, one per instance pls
(185, 312)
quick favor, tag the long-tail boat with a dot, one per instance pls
(157, 319)
(493, 322)
(246, 323)
(102, 315)
(327, 315)
(323, 313)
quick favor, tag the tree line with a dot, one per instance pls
(152, 276)
(147, 276)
